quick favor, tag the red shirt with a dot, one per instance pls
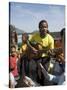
(13, 65)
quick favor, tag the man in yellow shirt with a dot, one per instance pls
(45, 41)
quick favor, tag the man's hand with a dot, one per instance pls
(35, 51)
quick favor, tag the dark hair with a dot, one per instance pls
(63, 36)
(42, 21)
(62, 32)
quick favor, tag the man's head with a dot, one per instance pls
(43, 28)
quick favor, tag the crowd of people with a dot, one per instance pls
(37, 58)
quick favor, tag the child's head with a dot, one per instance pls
(43, 27)
(24, 37)
(13, 50)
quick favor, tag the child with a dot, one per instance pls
(13, 63)
(23, 55)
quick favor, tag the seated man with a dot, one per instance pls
(45, 41)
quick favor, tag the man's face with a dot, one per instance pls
(43, 29)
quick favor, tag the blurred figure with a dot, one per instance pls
(58, 43)
(24, 43)
(63, 40)
(13, 39)
(24, 56)
(13, 64)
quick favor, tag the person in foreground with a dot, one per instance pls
(60, 79)
(44, 42)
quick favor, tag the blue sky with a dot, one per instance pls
(26, 16)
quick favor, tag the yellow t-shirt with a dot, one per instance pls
(23, 49)
(47, 42)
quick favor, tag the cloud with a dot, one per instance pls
(19, 11)
(54, 14)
